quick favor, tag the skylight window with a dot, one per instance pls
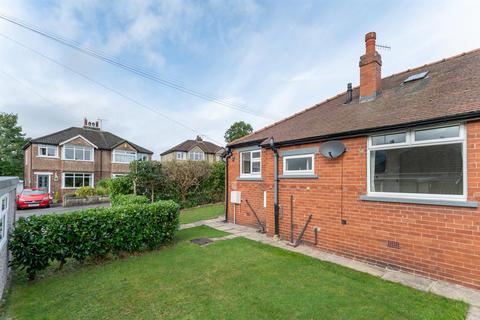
(416, 76)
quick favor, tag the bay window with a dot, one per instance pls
(420, 163)
(77, 180)
(77, 153)
(298, 164)
(124, 156)
(250, 163)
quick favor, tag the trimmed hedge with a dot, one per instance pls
(38, 241)
(126, 199)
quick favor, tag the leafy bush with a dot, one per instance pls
(127, 199)
(37, 241)
(101, 191)
(83, 192)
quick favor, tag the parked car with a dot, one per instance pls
(33, 198)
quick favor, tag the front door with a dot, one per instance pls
(43, 181)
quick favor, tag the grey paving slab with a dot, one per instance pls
(410, 280)
(473, 313)
(455, 291)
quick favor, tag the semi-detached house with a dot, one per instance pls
(404, 191)
(75, 157)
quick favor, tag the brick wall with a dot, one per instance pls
(440, 242)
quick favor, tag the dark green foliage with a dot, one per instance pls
(128, 199)
(148, 178)
(38, 241)
(118, 185)
(237, 130)
(11, 142)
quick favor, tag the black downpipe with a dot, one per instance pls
(275, 180)
(227, 155)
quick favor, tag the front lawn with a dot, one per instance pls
(201, 213)
(231, 279)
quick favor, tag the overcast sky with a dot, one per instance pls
(274, 57)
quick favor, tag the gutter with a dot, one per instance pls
(474, 115)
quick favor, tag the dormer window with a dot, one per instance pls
(47, 151)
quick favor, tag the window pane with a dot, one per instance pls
(4, 203)
(78, 180)
(68, 181)
(51, 151)
(69, 153)
(246, 162)
(437, 133)
(88, 154)
(256, 154)
(87, 180)
(430, 170)
(255, 167)
(43, 151)
(298, 164)
(389, 138)
(78, 154)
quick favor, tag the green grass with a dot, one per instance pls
(231, 279)
(201, 213)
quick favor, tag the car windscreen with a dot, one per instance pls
(26, 192)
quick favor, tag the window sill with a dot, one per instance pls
(298, 176)
(452, 203)
(249, 179)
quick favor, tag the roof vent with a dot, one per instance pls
(416, 76)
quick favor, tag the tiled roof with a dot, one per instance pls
(102, 139)
(187, 145)
(451, 88)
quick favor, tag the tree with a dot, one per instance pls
(237, 130)
(187, 175)
(147, 177)
(11, 142)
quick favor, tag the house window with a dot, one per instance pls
(250, 163)
(123, 156)
(196, 155)
(47, 151)
(428, 163)
(180, 155)
(77, 180)
(298, 165)
(142, 157)
(77, 153)
(3, 219)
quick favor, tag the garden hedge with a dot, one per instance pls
(127, 199)
(38, 241)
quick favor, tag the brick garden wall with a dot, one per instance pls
(440, 242)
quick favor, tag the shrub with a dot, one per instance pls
(127, 199)
(101, 191)
(83, 192)
(37, 241)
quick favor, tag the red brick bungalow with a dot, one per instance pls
(404, 193)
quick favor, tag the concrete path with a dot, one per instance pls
(438, 287)
(56, 209)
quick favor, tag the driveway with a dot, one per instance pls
(57, 209)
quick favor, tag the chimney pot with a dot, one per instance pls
(370, 70)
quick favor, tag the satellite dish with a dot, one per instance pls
(332, 149)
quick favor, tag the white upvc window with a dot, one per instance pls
(47, 151)
(142, 157)
(299, 164)
(123, 156)
(196, 155)
(426, 163)
(180, 155)
(77, 153)
(3, 219)
(251, 163)
(73, 180)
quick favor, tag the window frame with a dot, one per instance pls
(92, 179)
(4, 218)
(410, 142)
(124, 152)
(40, 146)
(142, 156)
(251, 174)
(200, 153)
(75, 148)
(298, 172)
(180, 155)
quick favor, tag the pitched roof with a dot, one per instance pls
(187, 145)
(450, 89)
(102, 139)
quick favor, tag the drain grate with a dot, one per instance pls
(201, 241)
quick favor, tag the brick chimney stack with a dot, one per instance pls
(370, 70)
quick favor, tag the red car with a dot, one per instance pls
(33, 198)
